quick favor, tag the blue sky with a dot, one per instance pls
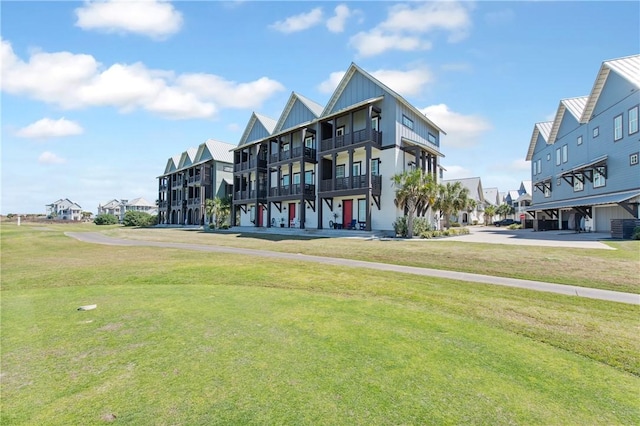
(96, 96)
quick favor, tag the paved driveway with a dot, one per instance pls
(499, 235)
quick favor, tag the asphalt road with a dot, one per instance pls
(569, 290)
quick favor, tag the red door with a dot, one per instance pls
(292, 212)
(260, 215)
(347, 213)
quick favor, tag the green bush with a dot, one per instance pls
(446, 233)
(105, 219)
(636, 233)
(400, 226)
(454, 225)
(133, 218)
(420, 225)
(514, 226)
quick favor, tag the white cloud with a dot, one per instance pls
(78, 81)
(519, 165)
(330, 84)
(230, 94)
(456, 172)
(462, 130)
(406, 83)
(299, 22)
(48, 128)
(155, 19)
(336, 23)
(50, 158)
(407, 24)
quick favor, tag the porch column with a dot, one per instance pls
(334, 157)
(368, 196)
(350, 169)
(318, 182)
(303, 207)
(268, 194)
(423, 161)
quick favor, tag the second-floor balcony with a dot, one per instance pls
(194, 180)
(309, 154)
(250, 164)
(358, 137)
(163, 204)
(309, 190)
(194, 201)
(352, 182)
(250, 194)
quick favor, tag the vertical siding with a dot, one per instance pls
(615, 89)
(299, 114)
(257, 132)
(358, 89)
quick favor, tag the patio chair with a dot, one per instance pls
(352, 225)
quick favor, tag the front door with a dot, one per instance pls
(347, 212)
(292, 213)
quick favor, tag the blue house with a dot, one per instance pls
(331, 166)
(584, 163)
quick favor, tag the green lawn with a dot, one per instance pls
(190, 338)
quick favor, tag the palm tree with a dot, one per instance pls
(415, 191)
(218, 208)
(452, 198)
(504, 210)
(489, 212)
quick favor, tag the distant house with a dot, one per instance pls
(190, 178)
(476, 193)
(118, 208)
(585, 163)
(523, 201)
(492, 198)
(64, 209)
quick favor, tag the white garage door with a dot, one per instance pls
(603, 216)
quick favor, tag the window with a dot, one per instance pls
(579, 140)
(407, 122)
(633, 120)
(340, 131)
(547, 192)
(227, 169)
(375, 123)
(308, 142)
(633, 159)
(548, 157)
(362, 210)
(578, 183)
(340, 171)
(617, 128)
(356, 168)
(285, 147)
(558, 182)
(596, 132)
(309, 177)
(296, 178)
(558, 157)
(285, 180)
(598, 178)
(535, 168)
(375, 167)
(431, 138)
(565, 153)
(539, 166)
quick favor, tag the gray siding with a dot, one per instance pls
(359, 89)
(257, 132)
(299, 114)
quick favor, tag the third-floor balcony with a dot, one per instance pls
(250, 164)
(194, 201)
(351, 183)
(250, 194)
(356, 138)
(295, 154)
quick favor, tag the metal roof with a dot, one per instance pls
(627, 67)
(268, 123)
(220, 151)
(140, 202)
(540, 129)
(473, 184)
(315, 108)
(592, 200)
(575, 106)
(491, 196)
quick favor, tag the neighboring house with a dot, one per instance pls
(190, 179)
(118, 208)
(491, 198)
(64, 209)
(522, 203)
(584, 166)
(321, 167)
(476, 193)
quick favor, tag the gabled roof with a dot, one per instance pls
(473, 184)
(540, 129)
(512, 195)
(111, 204)
(491, 196)
(214, 150)
(172, 164)
(187, 157)
(627, 67)
(575, 106)
(269, 124)
(314, 108)
(353, 69)
(525, 187)
(141, 202)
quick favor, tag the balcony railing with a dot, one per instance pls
(294, 154)
(250, 194)
(297, 189)
(195, 179)
(251, 164)
(194, 201)
(354, 182)
(359, 136)
(163, 204)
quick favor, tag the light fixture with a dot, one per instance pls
(339, 205)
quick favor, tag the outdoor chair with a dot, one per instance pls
(352, 225)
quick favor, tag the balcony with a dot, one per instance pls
(194, 202)
(309, 190)
(250, 195)
(195, 180)
(356, 138)
(249, 165)
(352, 183)
(163, 204)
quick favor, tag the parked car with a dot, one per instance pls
(506, 222)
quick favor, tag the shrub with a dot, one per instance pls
(636, 233)
(133, 218)
(514, 226)
(420, 225)
(455, 225)
(400, 227)
(105, 219)
(475, 222)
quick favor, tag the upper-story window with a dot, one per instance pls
(375, 123)
(431, 138)
(633, 120)
(579, 140)
(375, 166)
(407, 122)
(340, 171)
(308, 142)
(547, 191)
(617, 127)
(535, 168)
(598, 178)
(578, 183)
(340, 131)
(633, 159)
(356, 169)
(539, 166)
(565, 153)
(596, 132)
(558, 157)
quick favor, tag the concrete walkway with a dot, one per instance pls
(592, 293)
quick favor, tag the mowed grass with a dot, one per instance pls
(617, 270)
(188, 338)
